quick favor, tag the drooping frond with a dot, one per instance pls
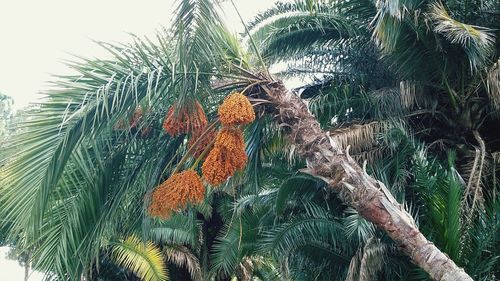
(409, 94)
(387, 23)
(179, 229)
(493, 85)
(372, 260)
(83, 106)
(290, 30)
(360, 136)
(496, 157)
(353, 271)
(357, 228)
(299, 232)
(182, 257)
(473, 194)
(144, 259)
(478, 42)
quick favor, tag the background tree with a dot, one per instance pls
(6, 113)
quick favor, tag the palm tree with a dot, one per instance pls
(75, 188)
(305, 228)
(405, 77)
(440, 82)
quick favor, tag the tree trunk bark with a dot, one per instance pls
(327, 161)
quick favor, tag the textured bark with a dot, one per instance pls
(327, 161)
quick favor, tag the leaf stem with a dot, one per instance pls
(254, 46)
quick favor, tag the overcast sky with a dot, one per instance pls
(36, 36)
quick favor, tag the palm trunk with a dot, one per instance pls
(327, 161)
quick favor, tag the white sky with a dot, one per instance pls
(10, 270)
(36, 36)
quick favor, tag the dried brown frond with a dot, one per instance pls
(496, 157)
(146, 132)
(353, 271)
(372, 259)
(473, 195)
(182, 257)
(360, 137)
(132, 123)
(371, 156)
(244, 271)
(408, 94)
(493, 85)
(121, 125)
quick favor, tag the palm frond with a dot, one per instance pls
(478, 42)
(235, 241)
(288, 237)
(493, 85)
(299, 26)
(179, 229)
(144, 259)
(182, 257)
(372, 260)
(480, 243)
(410, 94)
(279, 9)
(294, 184)
(80, 108)
(353, 271)
(356, 227)
(360, 136)
(473, 194)
(453, 211)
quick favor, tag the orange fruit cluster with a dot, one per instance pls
(184, 119)
(236, 110)
(217, 168)
(137, 117)
(227, 156)
(135, 122)
(202, 138)
(176, 193)
(231, 141)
